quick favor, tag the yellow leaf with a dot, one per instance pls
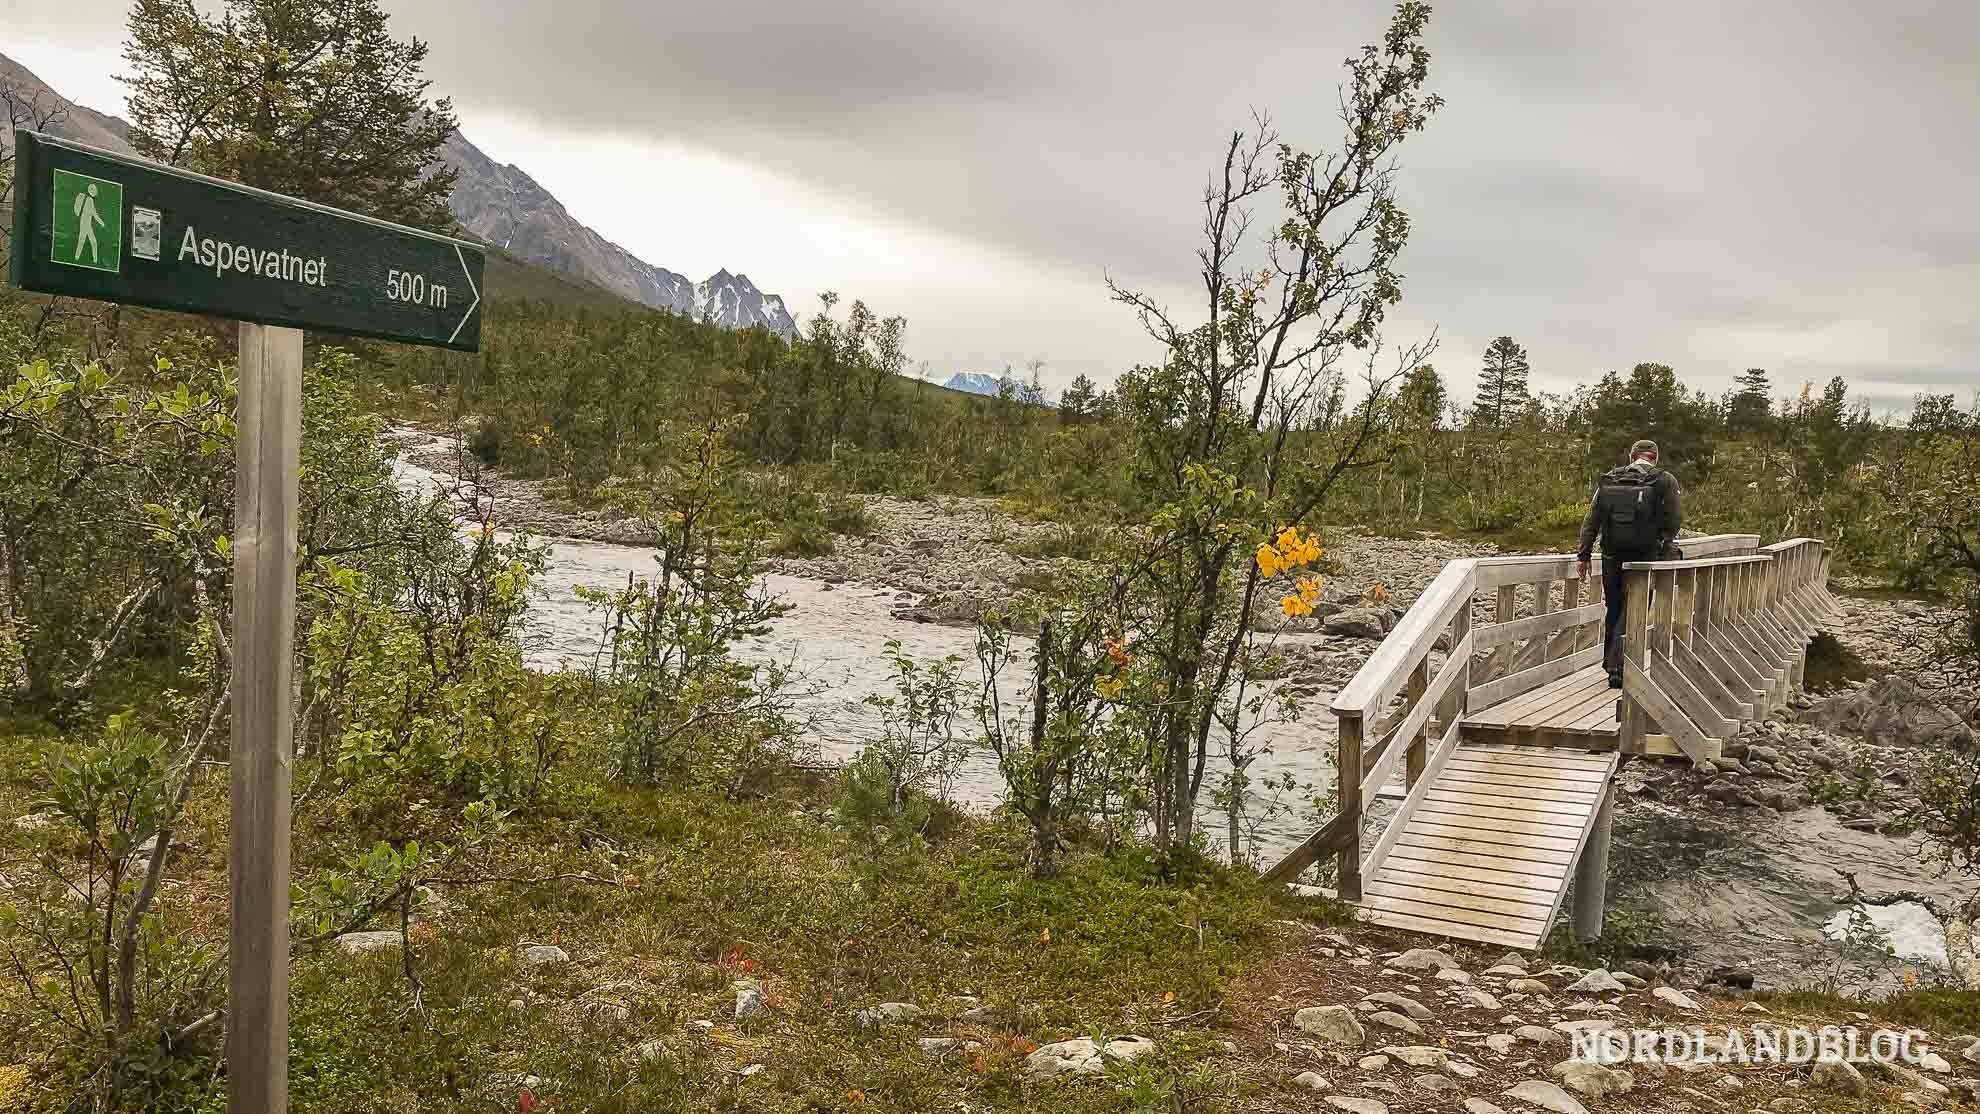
(1169, 998)
(1046, 936)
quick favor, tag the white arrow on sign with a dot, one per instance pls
(465, 273)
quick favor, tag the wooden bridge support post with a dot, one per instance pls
(1347, 764)
(1416, 756)
(1591, 875)
(1636, 633)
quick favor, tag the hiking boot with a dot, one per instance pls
(1615, 680)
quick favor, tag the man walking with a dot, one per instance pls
(1635, 513)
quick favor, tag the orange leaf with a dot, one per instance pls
(1046, 936)
(1169, 998)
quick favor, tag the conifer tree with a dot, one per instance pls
(1502, 394)
(309, 98)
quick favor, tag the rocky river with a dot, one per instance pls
(1739, 868)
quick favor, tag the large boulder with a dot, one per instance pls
(1358, 622)
(1890, 711)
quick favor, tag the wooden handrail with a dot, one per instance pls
(1383, 674)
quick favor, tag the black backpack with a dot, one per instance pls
(1631, 505)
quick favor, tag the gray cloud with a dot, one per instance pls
(1782, 183)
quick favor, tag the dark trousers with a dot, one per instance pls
(1612, 619)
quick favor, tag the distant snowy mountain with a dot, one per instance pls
(984, 383)
(506, 207)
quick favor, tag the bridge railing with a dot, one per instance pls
(1404, 706)
(1711, 643)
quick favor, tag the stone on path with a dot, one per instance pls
(1597, 982)
(1435, 1083)
(1675, 997)
(1397, 1021)
(1506, 971)
(1410, 1006)
(1502, 1042)
(1372, 1063)
(1932, 1061)
(1537, 1035)
(1529, 986)
(1591, 1025)
(1512, 959)
(1453, 974)
(1336, 1023)
(1592, 1079)
(1546, 1096)
(1833, 1073)
(536, 955)
(1418, 1055)
(1423, 959)
(1311, 1080)
(1357, 1106)
(1480, 1106)
(1478, 999)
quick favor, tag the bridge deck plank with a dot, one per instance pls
(1490, 848)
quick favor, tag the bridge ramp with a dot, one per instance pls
(1485, 850)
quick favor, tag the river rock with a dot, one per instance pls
(1546, 1096)
(1311, 1080)
(1336, 1023)
(1358, 622)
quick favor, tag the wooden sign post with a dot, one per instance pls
(95, 224)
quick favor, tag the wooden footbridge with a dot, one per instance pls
(1500, 741)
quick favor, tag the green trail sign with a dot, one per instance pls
(94, 224)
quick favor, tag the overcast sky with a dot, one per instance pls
(1787, 184)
